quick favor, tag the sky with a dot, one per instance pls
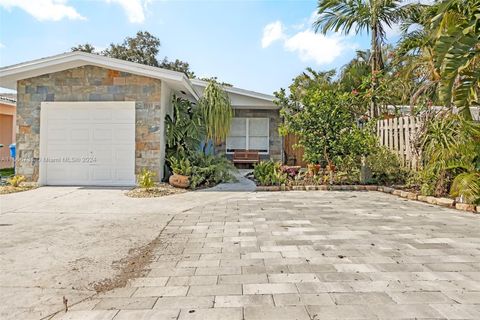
(255, 45)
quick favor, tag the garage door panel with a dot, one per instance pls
(103, 156)
(123, 154)
(102, 114)
(57, 134)
(122, 174)
(101, 132)
(123, 116)
(67, 175)
(79, 134)
(60, 114)
(101, 173)
(123, 132)
(62, 150)
(79, 114)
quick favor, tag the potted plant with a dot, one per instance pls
(313, 168)
(182, 170)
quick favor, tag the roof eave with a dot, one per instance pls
(10, 74)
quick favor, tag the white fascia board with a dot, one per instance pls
(236, 90)
(8, 103)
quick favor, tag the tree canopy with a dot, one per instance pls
(143, 48)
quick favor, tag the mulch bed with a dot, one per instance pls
(160, 190)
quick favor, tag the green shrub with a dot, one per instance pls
(348, 170)
(269, 173)
(325, 126)
(210, 170)
(203, 170)
(15, 180)
(385, 166)
(146, 179)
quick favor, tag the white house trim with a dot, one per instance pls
(241, 98)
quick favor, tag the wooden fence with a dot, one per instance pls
(293, 156)
(398, 134)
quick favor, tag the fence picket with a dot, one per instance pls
(401, 132)
(397, 135)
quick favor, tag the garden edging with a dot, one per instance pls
(444, 202)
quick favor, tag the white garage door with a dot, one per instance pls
(87, 143)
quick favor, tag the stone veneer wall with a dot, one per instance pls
(89, 83)
(275, 138)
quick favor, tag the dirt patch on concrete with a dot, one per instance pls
(132, 266)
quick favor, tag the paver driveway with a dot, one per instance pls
(306, 255)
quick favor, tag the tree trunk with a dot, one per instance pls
(373, 105)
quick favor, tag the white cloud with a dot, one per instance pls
(2, 45)
(271, 33)
(134, 9)
(302, 40)
(44, 10)
(315, 47)
(393, 31)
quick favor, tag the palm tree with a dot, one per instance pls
(370, 16)
(323, 80)
(415, 54)
(352, 74)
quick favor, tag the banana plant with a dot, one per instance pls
(458, 53)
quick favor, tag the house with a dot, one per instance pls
(7, 129)
(86, 119)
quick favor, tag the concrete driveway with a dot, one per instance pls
(57, 241)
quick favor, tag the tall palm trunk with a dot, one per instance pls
(373, 103)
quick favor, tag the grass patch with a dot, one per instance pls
(6, 172)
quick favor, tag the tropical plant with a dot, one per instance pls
(415, 55)
(353, 73)
(16, 180)
(450, 148)
(180, 166)
(467, 186)
(217, 112)
(370, 16)
(269, 173)
(311, 79)
(210, 170)
(185, 128)
(458, 52)
(146, 179)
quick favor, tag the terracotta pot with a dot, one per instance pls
(179, 181)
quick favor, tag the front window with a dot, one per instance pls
(248, 134)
